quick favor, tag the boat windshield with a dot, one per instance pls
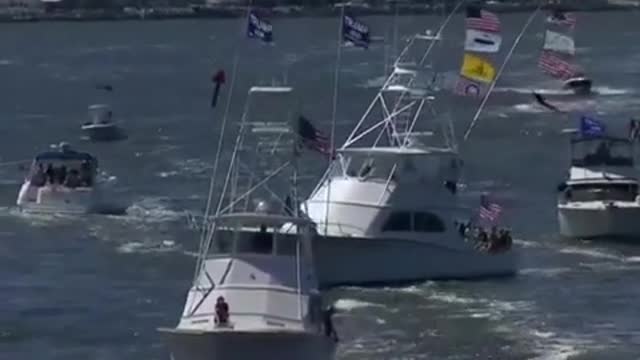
(602, 192)
(601, 152)
(263, 241)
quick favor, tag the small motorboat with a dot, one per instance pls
(580, 85)
(599, 199)
(62, 181)
(101, 126)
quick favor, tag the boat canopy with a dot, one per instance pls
(601, 151)
(66, 154)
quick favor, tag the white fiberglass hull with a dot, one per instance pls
(102, 132)
(48, 200)
(235, 345)
(599, 220)
(368, 261)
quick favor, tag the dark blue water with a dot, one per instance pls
(97, 287)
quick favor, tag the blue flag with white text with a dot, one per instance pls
(258, 28)
(355, 32)
(591, 127)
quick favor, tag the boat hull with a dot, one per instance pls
(579, 86)
(369, 261)
(49, 200)
(233, 345)
(599, 222)
(109, 132)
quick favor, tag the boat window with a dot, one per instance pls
(286, 245)
(259, 242)
(427, 222)
(398, 221)
(602, 152)
(222, 242)
(602, 192)
(366, 169)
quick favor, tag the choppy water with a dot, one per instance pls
(97, 287)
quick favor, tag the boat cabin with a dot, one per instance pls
(65, 167)
(99, 114)
(264, 275)
(603, 151)
(395, 164)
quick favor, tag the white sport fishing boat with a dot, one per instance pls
(387, 205)
(101, 126)
(255, 293)
(600, 197)
(61, 181)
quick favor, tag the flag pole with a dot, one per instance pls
(336, 81)
(502, 67)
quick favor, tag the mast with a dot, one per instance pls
(336, 82)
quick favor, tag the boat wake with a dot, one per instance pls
(592, 253)
(347, 305)
(153, 209)
(374, 83)
(146, 247)
(188, 168)
(598, 90)
(545, 272)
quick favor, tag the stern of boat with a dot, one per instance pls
(599, 220)
(56, 199)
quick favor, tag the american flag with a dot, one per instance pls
(562, 18)
(478, 19)
(489, 211)
(312, 138)
(555, 66)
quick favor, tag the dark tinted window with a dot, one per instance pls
(398, 221)
(427, 222)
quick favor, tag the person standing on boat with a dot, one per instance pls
(329, 330)
(222, 312)
(50, 174)
(39, 179)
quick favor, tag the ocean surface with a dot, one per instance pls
(97, 287)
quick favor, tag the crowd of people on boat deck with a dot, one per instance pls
(60, 175)
(494, 240)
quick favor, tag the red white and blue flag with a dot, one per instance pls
(478, 19)
(313, 138)
(489, 211)
(554, 65)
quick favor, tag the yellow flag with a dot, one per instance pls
(477, 68)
